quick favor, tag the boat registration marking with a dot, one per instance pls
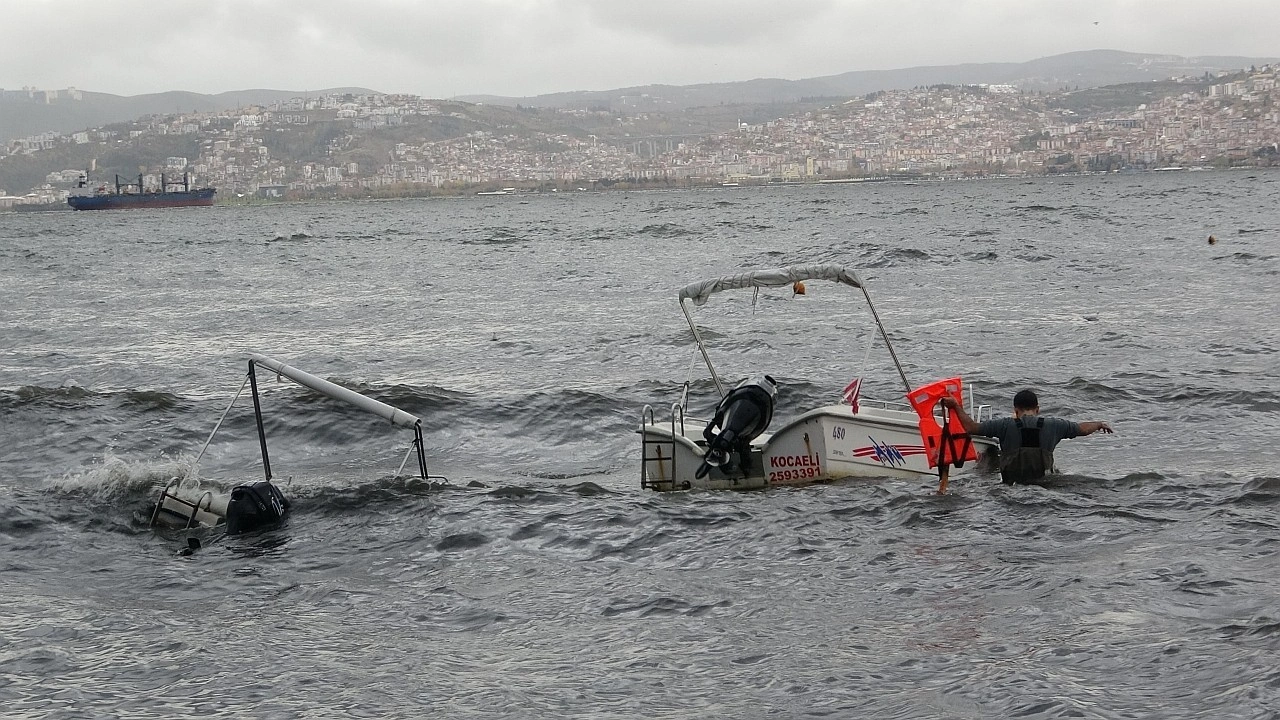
(788, 461)
(795, 467)
(803, 473)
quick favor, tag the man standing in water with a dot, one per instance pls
(1026, 439)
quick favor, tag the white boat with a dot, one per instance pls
(733, 450)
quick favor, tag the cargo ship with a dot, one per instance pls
(133, 195)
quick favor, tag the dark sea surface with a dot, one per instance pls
(528, 332)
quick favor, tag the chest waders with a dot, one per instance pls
(1029, 461)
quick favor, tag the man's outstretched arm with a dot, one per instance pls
(1093, 426)
(971, 425)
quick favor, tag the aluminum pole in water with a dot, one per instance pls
(885, 335)
(421, 447)
(337, 392)
(257, 413)
(697, 337)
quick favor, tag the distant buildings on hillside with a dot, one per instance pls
(945, 131)
(32, 94)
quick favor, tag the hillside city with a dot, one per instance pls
(377, 144)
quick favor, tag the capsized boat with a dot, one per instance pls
(858, 437)
(260, 504)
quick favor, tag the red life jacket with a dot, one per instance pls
(949, 444)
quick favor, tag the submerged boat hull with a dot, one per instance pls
(822, 445)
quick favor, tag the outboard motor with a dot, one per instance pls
(254, 506)
(740, 418)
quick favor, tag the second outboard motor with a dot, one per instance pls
(740, 418)
(254, 506)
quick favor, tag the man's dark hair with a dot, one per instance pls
(1026, 400)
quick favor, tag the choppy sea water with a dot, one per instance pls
(528, 332)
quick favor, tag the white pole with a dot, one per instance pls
(337, 392)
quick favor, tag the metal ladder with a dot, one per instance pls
(181, 509)
(647, 420)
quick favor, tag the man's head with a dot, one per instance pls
(1025, 402)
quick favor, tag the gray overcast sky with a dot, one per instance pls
(442, 48)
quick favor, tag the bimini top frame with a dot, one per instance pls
(702, 291)
(393, 414)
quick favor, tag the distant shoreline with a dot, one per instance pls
(487, 193)
(480, 192)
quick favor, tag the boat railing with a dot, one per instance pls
(677, 418)
(978, 412)
(885, 404)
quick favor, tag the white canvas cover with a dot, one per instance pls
(701, 291)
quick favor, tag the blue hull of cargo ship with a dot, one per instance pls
(127, 201)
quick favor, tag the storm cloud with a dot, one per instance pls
(443, 48)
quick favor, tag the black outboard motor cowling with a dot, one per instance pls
(740, 418)
(255, 506)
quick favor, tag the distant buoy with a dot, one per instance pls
(1213, 240)
(797, 288)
